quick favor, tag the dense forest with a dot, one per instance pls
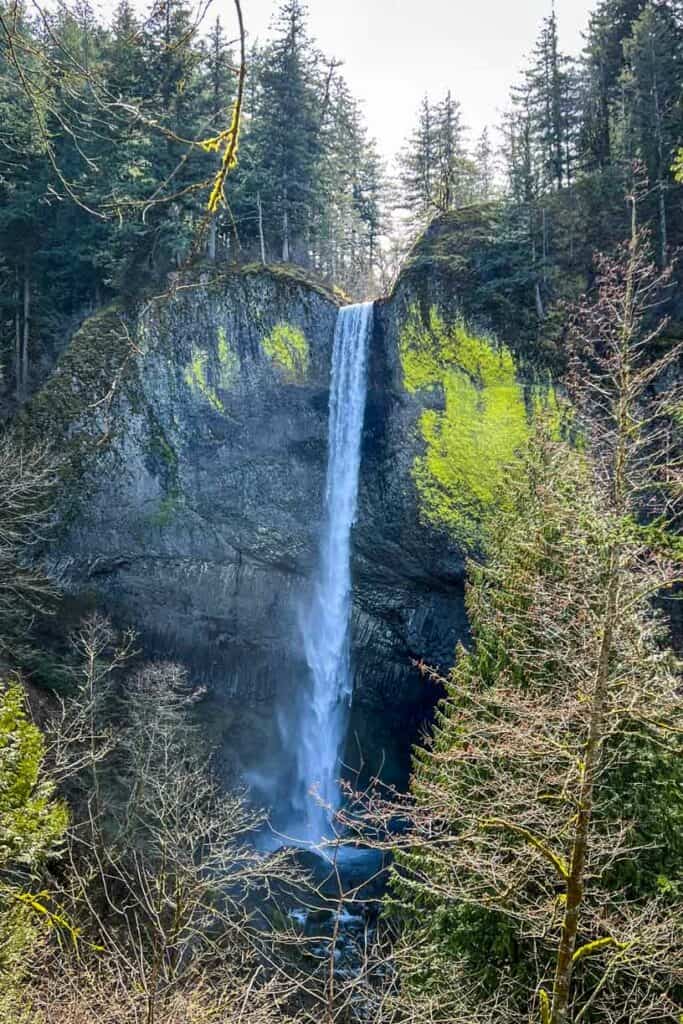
(532, 868)
(105, 166)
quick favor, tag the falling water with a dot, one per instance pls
(326, 622)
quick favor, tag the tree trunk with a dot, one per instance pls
(577, 864)
(663, 239)
(17, 339)
(27, 330)
(660, 161)
(262, 241)
(211, 244)
(285, 236)
(540, 310)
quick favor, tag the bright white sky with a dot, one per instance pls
(396, 50)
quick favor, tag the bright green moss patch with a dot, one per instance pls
(484, 423)
(204, 375)
(287, 348)
(196, 379)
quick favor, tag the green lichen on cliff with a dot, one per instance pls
(485, 420)
(166, 511)
(203, 376)
(163, 462)
(288, 350)
(196, 379)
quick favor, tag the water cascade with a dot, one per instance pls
(325, 624)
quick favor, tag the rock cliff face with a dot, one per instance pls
(196, 435)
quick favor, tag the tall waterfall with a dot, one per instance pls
(325, 625)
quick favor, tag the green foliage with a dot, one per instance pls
(31, 821)
(32, 824)
(288, 350)
(437, 174)
(528, 603)
(677, 166)
(485, 422)
(90, 214)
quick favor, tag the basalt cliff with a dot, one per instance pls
(195, 432)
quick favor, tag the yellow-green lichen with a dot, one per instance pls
(196, 379)
(204, 375)
(287, 348)
(228, 361)
(484, 423)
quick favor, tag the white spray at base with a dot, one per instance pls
(325, 626)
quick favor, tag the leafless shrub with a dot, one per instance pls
(27, 478)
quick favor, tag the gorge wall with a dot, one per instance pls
(195, 434)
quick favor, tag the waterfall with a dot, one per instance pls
(325, 624)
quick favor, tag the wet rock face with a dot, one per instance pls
(200, 503)
(408, 577)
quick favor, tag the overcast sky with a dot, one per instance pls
(396, 50)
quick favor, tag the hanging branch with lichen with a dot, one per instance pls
(226, 142)
(28, 61)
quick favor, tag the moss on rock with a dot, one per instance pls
(287, 348)
(485, 420)
(297, 275)
(75, 409)
(195, 375)
(204, 378)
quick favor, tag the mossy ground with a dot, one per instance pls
(298, 275)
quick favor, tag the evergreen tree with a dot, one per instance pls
(652, 80)
(285, 135)
(417, 167)
(541, 877)
(524, 174)
(484, 168)
(218, 95)
(603, 62)
(551, 101)
(172, 88)
(436, 172)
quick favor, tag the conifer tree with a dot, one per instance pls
(285, 135)
(453, 171)
(652, 78)
(417, 167)
(484, 169)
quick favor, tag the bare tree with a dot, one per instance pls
(27, 479)
(163, 886)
